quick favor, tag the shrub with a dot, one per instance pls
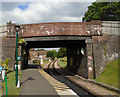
(6, 62)
(38, 61)
(1, 62)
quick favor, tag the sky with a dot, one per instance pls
(36, 11)
(48, 49)
(39, 12)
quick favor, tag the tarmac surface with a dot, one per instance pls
(33, 83)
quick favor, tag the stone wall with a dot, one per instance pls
(76, 61)
(3, 29)
(8, 51)
(0, 47)
(111, 27)
(82, 68)
(105, 49)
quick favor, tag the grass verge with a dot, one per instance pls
(110, 75)
(12, 90)
(44, 62)
(62, 64)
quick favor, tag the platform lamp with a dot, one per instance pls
(17, 27)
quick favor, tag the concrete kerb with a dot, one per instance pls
(97, 83)
(101, 84)
(105, 86)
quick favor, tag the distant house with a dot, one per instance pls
(42, 53)
(36, 54)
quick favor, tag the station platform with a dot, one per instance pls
(35, 81)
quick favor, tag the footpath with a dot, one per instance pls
(33, 83)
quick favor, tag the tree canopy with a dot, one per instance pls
(9, 22)
(51, 54)
(61, 53)
(40, 50)
(106, 11)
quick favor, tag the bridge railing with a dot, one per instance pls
(57, 28)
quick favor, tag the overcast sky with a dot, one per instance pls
(40, 12)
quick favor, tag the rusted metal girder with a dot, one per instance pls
(57, 28)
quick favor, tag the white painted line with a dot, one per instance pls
(74, 93)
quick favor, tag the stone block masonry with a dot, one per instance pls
(111, 27)
(0, 47)
(8, 51)
(105, 49)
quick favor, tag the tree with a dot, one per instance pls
(10, 22)
(51, 54)
(61, 53)
(40, 50)
(106, 11)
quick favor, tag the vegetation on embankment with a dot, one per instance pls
(62, 62)
(12, 90)
(110, 75)
(62, 52)
(44, 62)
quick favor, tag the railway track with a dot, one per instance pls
(61, 77)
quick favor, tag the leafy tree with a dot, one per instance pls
(40, 50)
(10, 22)
(106, 11)
(51, 54)
(61, 53)
(1, 62)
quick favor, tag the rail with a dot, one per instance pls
(62, 78)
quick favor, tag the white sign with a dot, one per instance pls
(18, 66)
(19, 58)
(90, 68)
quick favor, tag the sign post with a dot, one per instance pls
(16, 76)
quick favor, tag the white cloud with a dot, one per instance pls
(48, 48)
(44, 12)
(52, 49)
(50, 0)
(72, 19)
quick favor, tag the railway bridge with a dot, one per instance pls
(88, 43)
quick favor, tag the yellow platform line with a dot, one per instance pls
(62, 89)
(57, 86)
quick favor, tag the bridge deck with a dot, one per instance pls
(57, 28)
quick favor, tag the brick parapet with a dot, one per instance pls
(57, 28)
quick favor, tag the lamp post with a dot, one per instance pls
(16, 75)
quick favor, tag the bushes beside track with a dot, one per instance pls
(63, 62)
